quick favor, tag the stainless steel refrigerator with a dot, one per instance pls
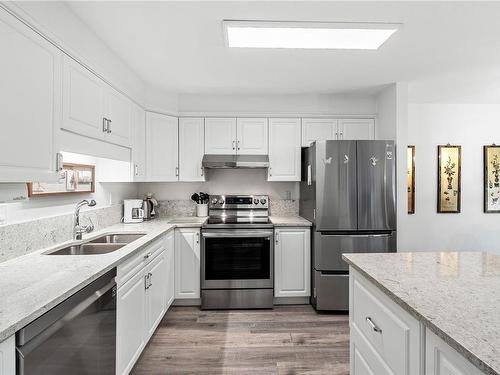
(348, 191)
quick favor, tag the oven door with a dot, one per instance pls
(237, 259)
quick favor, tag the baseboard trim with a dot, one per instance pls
(187, 302)
(291, 300)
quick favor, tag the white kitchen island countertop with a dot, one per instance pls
(454, 294)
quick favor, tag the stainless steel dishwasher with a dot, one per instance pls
(78, 336)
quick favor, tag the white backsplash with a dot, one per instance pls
(23, 238)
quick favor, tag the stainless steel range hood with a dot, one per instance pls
(235, 161)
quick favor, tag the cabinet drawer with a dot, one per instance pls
(131, 266)
(331, 291)
(392, 332)
(364, 359)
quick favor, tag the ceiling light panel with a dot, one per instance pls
(306, 35)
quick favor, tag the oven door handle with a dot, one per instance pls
(238, 233)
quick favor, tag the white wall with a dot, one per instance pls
(386, 105)
(278, 104)
(472, 126)
(227, 181)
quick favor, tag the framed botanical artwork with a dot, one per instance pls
(492, 179)
(449, 179)
(410, 176)
(73, 179)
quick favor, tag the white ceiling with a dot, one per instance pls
(179, 46)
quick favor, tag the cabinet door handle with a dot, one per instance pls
(197, 237)
(234, 143)
(238, 144)
(149, 279)
(59, 162)
(146, 256)
(146, 281)
(109, 126)
(277, 238)
(270, 171)
(202, 171)
(176, 171)
(341, 135)
(136, 169)
(373, 325)
(105, 125)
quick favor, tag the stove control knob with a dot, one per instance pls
(263, 201)
(215, 200)
(255, 201)
(221, 201)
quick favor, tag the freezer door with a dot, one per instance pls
(376, 185)
(330, 291)
(336, 197)
(328, 248)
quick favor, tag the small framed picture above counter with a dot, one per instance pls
(410, 176)
(73, 179)
(449, 179)
(492, 179)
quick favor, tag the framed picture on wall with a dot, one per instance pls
(411, 179)
(492, 179)
(449, 179)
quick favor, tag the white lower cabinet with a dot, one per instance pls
(187, 263)
(292, 262)
(441, 359)
(143, 282)
(170, 257)
(385, 339)
(8, 356)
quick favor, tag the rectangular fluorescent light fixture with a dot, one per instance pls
(307, 35)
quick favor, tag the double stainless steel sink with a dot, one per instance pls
(101, 245)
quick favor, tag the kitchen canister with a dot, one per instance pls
(202, 210)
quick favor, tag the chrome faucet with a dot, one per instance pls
(78, 230)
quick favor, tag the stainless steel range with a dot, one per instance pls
(237, 253)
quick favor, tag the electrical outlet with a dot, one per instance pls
(3, 213)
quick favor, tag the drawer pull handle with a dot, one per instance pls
(147, 255)
(373, 325)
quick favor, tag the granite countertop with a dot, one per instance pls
(289, 221)
(456, 295)
(34, 283)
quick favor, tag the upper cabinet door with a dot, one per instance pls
(356, 129)
(139, 144)
(119, 113)
(30, 94)
(318, 129)
(83, 101)
(191, 148)
(252, 135)
(220, 136)
(162, 147)
(284, 149)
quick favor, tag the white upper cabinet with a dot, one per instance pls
(83, 101)
(220, 136)
(30, 94)
(284, 149)
(318, 129)
(93, 108)
(251, 136)
(356, 129)
(162, 147)
(191, 148)
(119, 116)
(139, 144)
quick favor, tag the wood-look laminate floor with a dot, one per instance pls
(285, 340)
